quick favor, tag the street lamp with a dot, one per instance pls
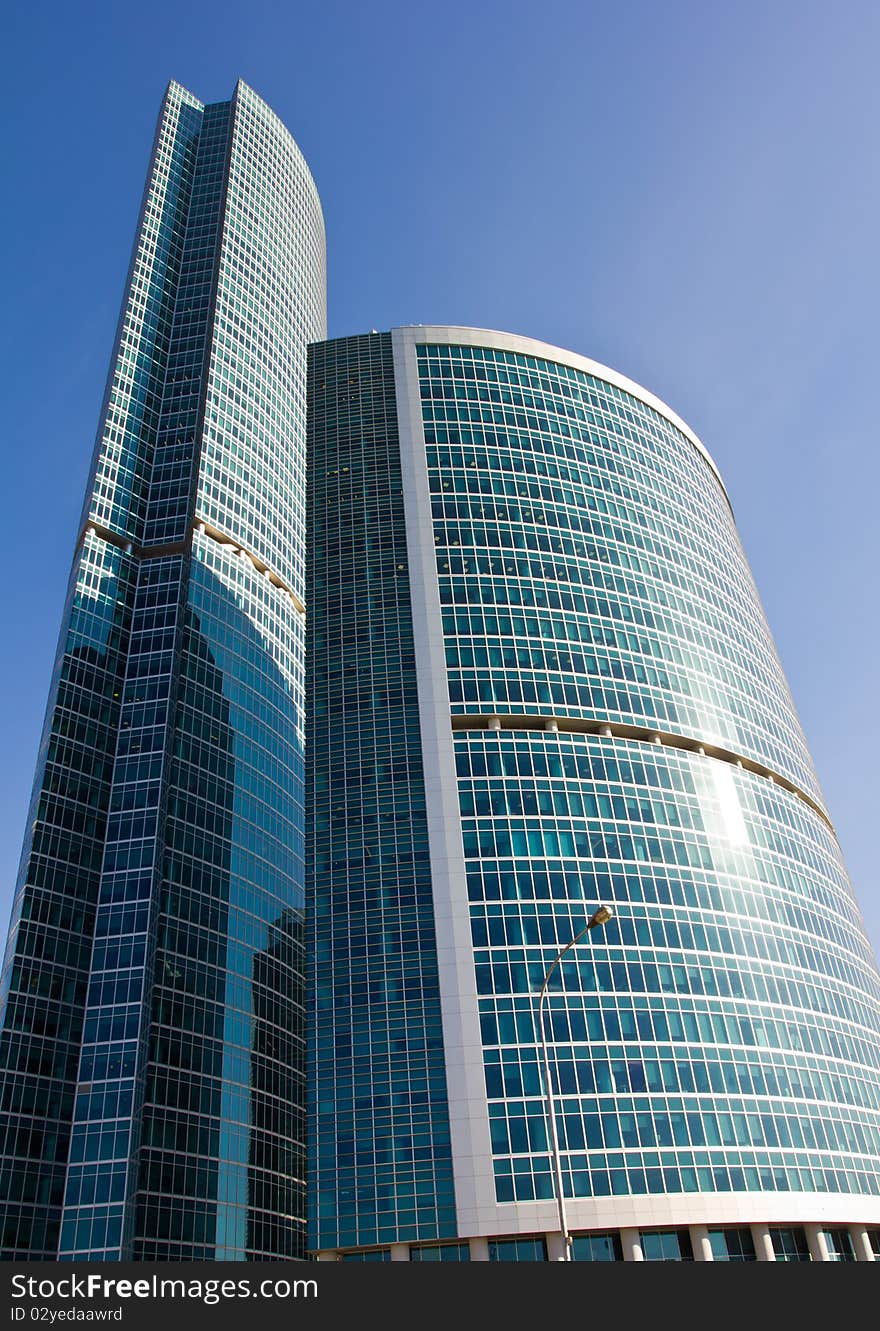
(600, 916)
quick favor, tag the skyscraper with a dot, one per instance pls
(539, 678)
(151, 1029)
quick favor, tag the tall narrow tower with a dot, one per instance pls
(151, 1022)
(540, 678)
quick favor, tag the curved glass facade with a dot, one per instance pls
(603, 717)
(161, 889)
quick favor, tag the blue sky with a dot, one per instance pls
(688, 192)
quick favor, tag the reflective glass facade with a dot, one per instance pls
(151, 1044)
(602, 717)
(380, 1157)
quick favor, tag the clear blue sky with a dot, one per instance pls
(686, 191)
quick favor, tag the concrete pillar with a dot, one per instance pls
(400, 1252)
(701, 1245)
(763, 1243)
(816, 1243)
(479, 1250)
(494, 722)
(630, 1241)
(862, 1244)
(555, 1247)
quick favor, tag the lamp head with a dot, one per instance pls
(600, 916)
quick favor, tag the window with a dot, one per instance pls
(596, 1248)
(671, 1245)
(441, 1252)
(790, 1245)
(517, 1250)
(840, 1245)
(732, 1245)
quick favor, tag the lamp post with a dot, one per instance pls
(599, 917)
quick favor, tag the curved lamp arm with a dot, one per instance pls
(601, 916)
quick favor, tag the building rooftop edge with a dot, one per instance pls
(548, 351)
(242, 86)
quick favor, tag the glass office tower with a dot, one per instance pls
(540, 678)
(151, 1030)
